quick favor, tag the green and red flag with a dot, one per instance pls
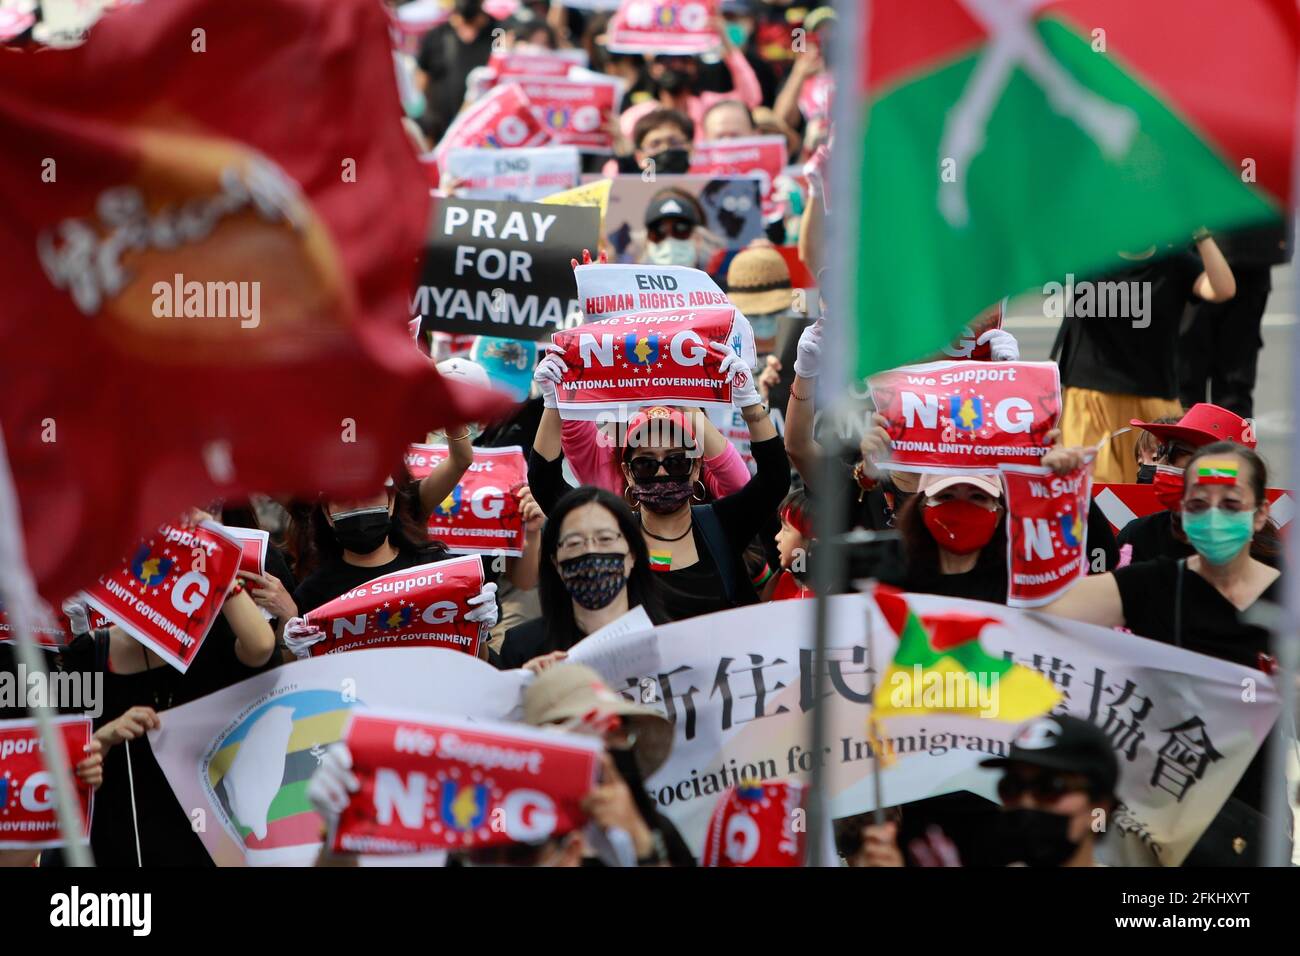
(940, 668)
(1007, 143)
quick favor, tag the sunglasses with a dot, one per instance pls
(677, 228)
(645, 467)
(1045, 787)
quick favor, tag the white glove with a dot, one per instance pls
(486, 612)
(78, 615)
(330, 787)
(744, 387)
(1002, 345)
(299, 636)
(550, 369)
(808, 357)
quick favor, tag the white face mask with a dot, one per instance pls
(671, 252)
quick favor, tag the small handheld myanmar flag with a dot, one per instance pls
(940, 667)
(661, 560)
(1216, 471)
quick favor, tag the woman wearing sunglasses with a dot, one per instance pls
(593, 568)
(697, 548)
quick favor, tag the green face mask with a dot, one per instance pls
(1218, 536)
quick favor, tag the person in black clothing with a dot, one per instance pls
(446, 56)
(1218, 351)
(1200, 603)
(1118, 347)
(594, 567)
(135, 810)
(1156, 535)
(361, 540)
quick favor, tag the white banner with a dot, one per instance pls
(739, 686)
(239, 760)
(519, 175)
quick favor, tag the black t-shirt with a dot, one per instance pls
(1107, 354)
(695, 590)
(1210, 625)
(519, 429)
(987, 581)
(335, 576)
(447, 61)
(1152, 536)
(167, 837)
(530, 639)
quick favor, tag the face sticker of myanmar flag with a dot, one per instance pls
(1002, 144)
(1216, 471)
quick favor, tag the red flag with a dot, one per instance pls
(212, 220)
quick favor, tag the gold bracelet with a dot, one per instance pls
(458, 437)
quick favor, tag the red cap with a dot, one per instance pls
(660, 421)
(1203, 424)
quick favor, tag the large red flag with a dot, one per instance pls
(212, 218)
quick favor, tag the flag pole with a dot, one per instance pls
(831, 389)
(18, 591)
(1286, 637)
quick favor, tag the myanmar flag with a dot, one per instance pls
(1010, 142)
(940, 667)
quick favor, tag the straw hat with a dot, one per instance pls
(758, 282)
(566, 691)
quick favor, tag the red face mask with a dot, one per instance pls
(1168, 485)
(960, 526)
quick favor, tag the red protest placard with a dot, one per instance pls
(47, 635)
(500, 119)
(667, 27)
(452, 785)
(420, 607)
(651, 358)
(1047, 531)
(574, 112)
(254, 543)
(969, 415)
(964, 346)
(481, 515)
(535, 61)
(762, 157)
(755, 825)
(169, 590)
(28, 819)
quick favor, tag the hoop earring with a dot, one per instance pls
(702, 493)
(631, 502)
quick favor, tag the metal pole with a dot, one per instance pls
(837, 357)
(22, 603)
(1286, 638)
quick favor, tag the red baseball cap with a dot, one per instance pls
(659, 421)
(1204, 423)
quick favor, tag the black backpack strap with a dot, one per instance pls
(715, 539)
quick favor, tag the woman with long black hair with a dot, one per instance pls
(594, 567)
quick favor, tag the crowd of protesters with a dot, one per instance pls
(673, 520)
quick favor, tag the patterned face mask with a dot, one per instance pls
(593, 579)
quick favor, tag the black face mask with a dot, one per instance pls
(593, 580)
(674, 160)
(1032, 837)
(1146, 474)
(362, 532)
